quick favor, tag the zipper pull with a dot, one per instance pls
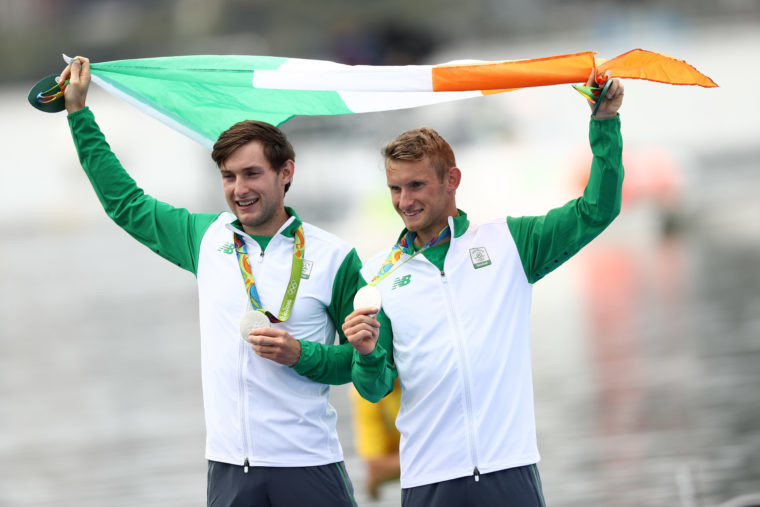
(261, 257)
(245, 466)
(476, 473)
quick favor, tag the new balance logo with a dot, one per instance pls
(227, 248)
(401, 281)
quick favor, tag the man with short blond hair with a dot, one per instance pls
(458, 299)
(419, 143)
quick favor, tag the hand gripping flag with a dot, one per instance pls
(201, 96)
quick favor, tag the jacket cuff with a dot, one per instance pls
(305, 361)
(76, 114)
(374, 358)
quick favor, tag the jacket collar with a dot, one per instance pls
(458, 224)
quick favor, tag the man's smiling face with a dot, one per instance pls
(419, 196)
(254, 190)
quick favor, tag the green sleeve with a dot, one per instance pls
(373, 374)
(173, 233)
(331, 364)
(545, 242)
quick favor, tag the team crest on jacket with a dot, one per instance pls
(306, 269)
(479, 257)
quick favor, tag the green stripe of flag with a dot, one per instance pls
(207, 93)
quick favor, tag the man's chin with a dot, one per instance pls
(411, 223)
(249, 220)
(410, 226)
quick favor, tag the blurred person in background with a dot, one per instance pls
(271, 438)
(460, 341)
(377, 438)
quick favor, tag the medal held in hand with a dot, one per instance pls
(252, 320)
(258, 317)
(369, 295)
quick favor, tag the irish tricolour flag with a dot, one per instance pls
(203, 95)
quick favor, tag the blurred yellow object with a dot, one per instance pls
(377, 438)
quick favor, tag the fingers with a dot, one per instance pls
(84, 71)
(264, 345)
(612, 101)
(78, 74)
(362, 332)
(79, 71)
(592, 78)
(358, 316)
(78, 68)
(362, 329)
(267, 337)
(269, 331)
(615, 91)
(276, 345)
(75, 68)
(263, 341)
(65, 73)
(367, 312)
(361, 319)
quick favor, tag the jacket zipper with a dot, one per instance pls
(243, 405)
(243, 398)
(465, 374)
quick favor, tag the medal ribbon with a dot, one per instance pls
(405, 245)
(295, 276)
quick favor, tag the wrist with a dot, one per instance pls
(73, 108)
(305, 352)
(377, 354)
(604, 116)
(365, 351)
(298, 353)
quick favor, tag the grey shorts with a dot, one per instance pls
(317, 486)
(513, 487)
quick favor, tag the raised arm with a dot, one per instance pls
(545, 242)
(173, 233)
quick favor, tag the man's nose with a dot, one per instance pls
(240, 187)
(405, 199)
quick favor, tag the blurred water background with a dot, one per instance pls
(646, 346)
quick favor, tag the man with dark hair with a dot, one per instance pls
(459, 313)
(271, 437)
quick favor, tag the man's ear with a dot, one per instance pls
(287, 171)
(454, 178)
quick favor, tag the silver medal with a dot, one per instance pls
(252, 320)
(369, 295)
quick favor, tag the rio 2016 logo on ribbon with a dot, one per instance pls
(292, 288)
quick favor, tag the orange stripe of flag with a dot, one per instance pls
(642, 64)
(552, 70)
